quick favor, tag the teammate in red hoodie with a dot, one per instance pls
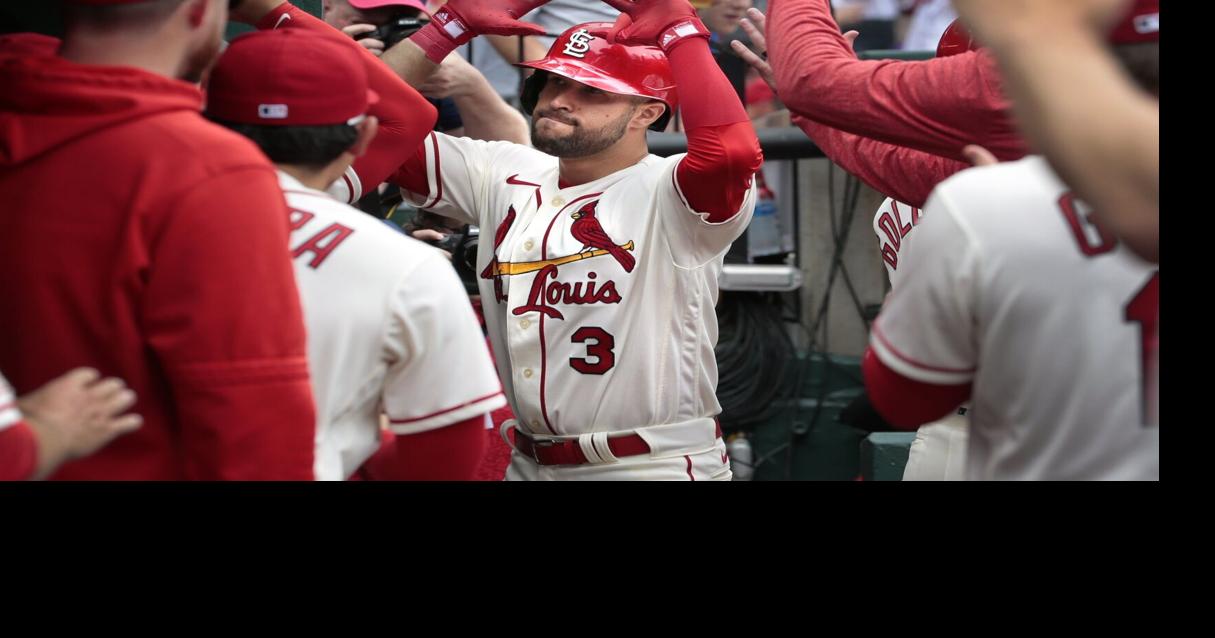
(140, 240)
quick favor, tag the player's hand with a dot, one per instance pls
(995, 23)
(430, 236)
(641, 22)
(78, 413)
(371, 44)
(455, 77)
(427, 234)
(979, 156)
(460, 20)
(755, 26)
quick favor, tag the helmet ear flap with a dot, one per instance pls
(660, 124)
(530, 95)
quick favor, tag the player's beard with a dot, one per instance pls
(580, 142)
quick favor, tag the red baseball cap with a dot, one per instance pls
(1141, 24)
(376, 4)
(289, 77)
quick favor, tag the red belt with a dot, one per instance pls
(569, 451)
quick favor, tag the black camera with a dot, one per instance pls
(395, 30)
(463, 248)
(460, 242)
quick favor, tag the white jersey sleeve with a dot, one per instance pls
(694, 239)
(926, 332)
(460, 173)
(348, 189)
(9, 414)
(443, 373)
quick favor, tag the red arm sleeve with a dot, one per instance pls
(18, 452)
(222, 316)
(411, 175)
(449, 453)
(723, 152)
(900, 172)
(405, 116)
(905, 403)
(937, 106)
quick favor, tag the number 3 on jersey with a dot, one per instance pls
(599, 346)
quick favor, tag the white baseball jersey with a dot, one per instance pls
(9, 414)
(1052, 320)
(599, 297)
(893, 224)
(390, 330)
(939, 450)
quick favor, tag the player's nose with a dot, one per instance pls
(562, 99)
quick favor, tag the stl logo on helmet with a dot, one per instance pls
(579, 44)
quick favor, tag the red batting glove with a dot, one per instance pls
(663, 23)
(460, 20)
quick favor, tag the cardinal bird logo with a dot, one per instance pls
(587, 230)
(492, 267)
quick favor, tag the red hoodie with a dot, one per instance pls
(139, 239)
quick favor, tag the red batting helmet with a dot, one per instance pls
(584, 55)
(955, 40)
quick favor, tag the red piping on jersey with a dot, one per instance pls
(518, 182)
(445, 411)
(350, 188)
(543, 367)
(543, 350)
(689, 460)
(434, 142)
(7, 406)
(544, 242)
(881, 337)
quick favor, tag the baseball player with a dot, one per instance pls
(1020, 303)
(387, 316)
(174, 272)
(72, 416)
(939, 450)
(600, 265)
